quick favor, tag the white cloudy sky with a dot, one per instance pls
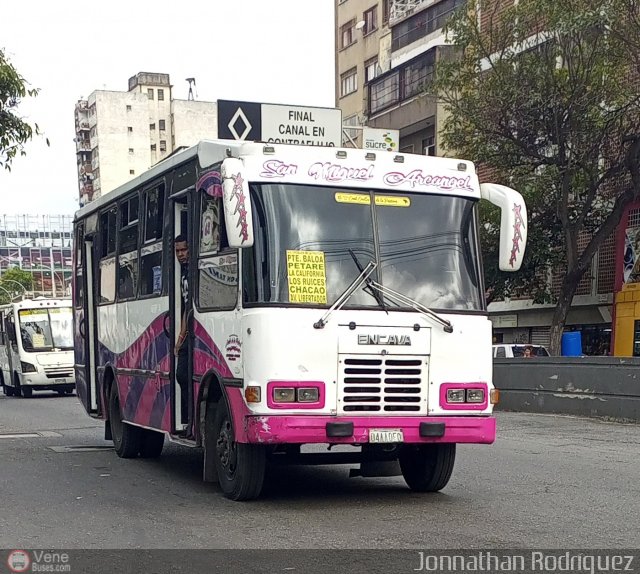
(276, 51)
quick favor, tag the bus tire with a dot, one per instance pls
(427, 467)
(151, 443)
(126, 438)
(240, 466)
(27, 392)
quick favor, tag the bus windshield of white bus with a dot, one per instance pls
(46, 329)
(426, 246)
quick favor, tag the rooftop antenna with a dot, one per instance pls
(192, 84)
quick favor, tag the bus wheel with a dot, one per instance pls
(126, 438)
(27, 392)
(151, 443)
(240, 466)
(427, 467)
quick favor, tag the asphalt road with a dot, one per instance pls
(548, 482)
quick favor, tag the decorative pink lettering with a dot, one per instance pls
(335, 172)
(277, 168)
(417, 178)
(517, 233)
(241, 209)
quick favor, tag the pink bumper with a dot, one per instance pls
(313, 429)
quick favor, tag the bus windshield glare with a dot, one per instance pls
(426, 246)
(46, 329)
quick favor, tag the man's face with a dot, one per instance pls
(182, 252)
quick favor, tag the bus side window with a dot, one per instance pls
(217, 264)
(108, 230)
(128, 249)
(151, 251)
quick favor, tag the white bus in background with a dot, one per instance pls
(36, 347)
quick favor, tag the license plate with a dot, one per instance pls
(386, 435)
(60, 381)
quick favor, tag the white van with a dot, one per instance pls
(511, 350)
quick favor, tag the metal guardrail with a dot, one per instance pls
(602, 387)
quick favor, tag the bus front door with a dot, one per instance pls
(181, 309)
(86, 374)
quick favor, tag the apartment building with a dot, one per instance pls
(386, 54)
(41, 245)
(119, 135)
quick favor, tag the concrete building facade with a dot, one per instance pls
(406, 43)
(119, 135)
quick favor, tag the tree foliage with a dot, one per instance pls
(15, 132)
(13, 283)
(542, 95)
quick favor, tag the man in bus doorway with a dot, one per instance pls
(182, 346)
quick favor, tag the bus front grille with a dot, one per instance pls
(383, 384)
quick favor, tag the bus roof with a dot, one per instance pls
(210, 152)
(38, 302)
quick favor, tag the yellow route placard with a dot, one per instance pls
(307, 277)
(365, 199)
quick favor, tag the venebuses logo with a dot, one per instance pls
(18, 561)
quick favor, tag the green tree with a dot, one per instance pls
(13, 283)
(14, 131)
(541, 95)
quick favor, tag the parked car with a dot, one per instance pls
(508, 351)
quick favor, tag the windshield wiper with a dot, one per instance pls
(340, 302)
(401, 299)
(369, 289)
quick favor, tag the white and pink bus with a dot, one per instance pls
(335, 297)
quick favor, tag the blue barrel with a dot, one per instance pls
(572, 344)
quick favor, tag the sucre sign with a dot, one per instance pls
(275, 123)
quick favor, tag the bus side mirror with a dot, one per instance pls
(237, 204)
(513, 223)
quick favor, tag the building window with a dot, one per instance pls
(150, 93)
(423, 23)
(160, 94)
(163, 145)
(130, 129)
(130, 151)
(347, 34)
(370, 18)
(429, 143)
(386, 11)
(132, 172)
(370, 69)
(402, 83)
(161, 124)
(348, 82)
(128, 108)
(152, 127)
(153, 147)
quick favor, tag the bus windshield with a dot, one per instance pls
(46, 329)
(426, 246)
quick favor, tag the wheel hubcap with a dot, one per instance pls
(226, 448)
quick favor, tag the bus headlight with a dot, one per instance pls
(284, 395)
(455, 395)
(475, 395)
(308, 394)
(28, 367)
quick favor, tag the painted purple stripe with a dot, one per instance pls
(159, 405)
